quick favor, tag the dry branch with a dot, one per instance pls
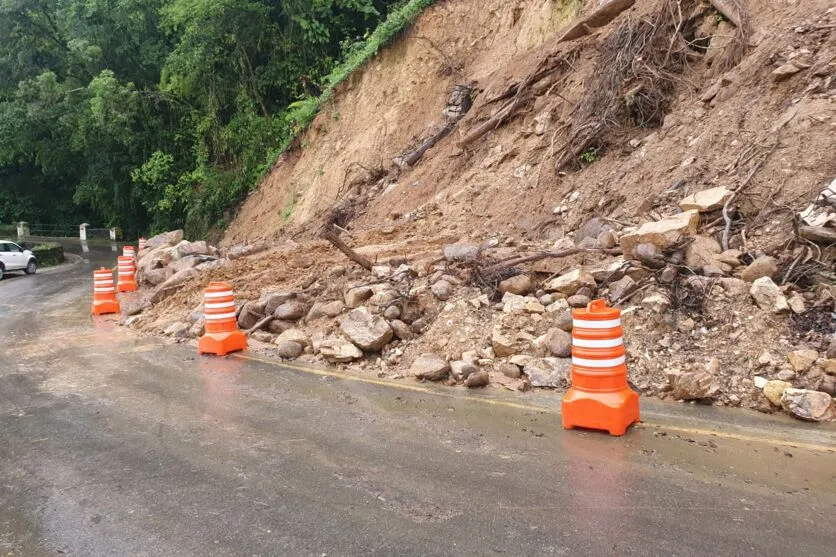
(260, 325)
(544, 255)
(818, 234)
(332, 235)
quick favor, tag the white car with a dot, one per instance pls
(15, 258)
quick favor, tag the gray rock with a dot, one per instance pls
(559, 343)
(354, 297)
(693, 385)
(461, 252)
(178, 330)
(442, 290)
(165, 239)
(621, 288)
(365, 330)
(238, 252)
(430, 367)
(262, 336)
(831, 348)
(768, 296)
(478, 379)
(764, 266)
(185, 249)
(571, 282)
(289, 350)
(578, 301)
(337, 350)
(401, 329)
(292, 310)
(250, 314)
(277, 326)
(179, 278)
(649, 255)
(392, 312)
(135, 307)
(563, 320)
(510, 370)
(548, 372)
(274, 299)
(156, 277)
(294, 335)
(656, 302)
(462, 369)
(592, 229)
(519, 284)
(189, 261)
(325, 309)
(807, 405)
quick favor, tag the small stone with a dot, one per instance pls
(381, 271)
(401, 330)
(292, 310)
(786, 71)
(339, 350)
(442, 290)
(607, 239)
(796, 303)
(706, 200)
(578, 301)
(686, 325)
(765, 359)
(510, 370)
(774, 389)
(325, 309)
(294, 335)
(272, 300)
(502, 345)
(786, 375)
(520, 359)
(355, 297)
(462, 369)
(563, 321)
(621, 288)
(802, 360)
(460, 252)
(514, 303)
(806, 404)
(730, 257)
(760, 382)
(701, 252)
(478, 379)
(548, 372)
(519, 284)
(288, 350)
(178, 330)
(768, 296)
(663, 233)
(533, 306)
(392, 312)
(763, 266)
(262, 336)
(657, 303)
(571, 282)
(430, 367)
(693, 385)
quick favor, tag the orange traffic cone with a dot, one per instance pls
(126, 273)
(104, 294)
(142, 242)
(129, 251)
(222, 334)
(600, 397)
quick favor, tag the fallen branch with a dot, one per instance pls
(739, 189)
(545, 255)
(411, 158)
(818, 234)
(260, 325)
(330, 234)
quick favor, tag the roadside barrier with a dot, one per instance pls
(126, 272)
(104, 294)
(129, 251)
(142, 242)
(222, 334)
(600, 397)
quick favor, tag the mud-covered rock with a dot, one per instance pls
(706, 200)
(502, 344)
(622, 288)
(165, 239)
(802, 360)
(294, 335)
(773, 390)
(442, 290)
(478, 379)
(693, 385)
(763, 266)
(519, 284)
(462, 369)
(325, 309)
(186, 248)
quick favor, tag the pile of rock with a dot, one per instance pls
(168, 262)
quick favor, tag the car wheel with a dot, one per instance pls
(31, 268)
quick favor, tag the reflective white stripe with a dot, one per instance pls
(229, 304)
(584, 324)
(210, 295)
(128, 274)
(219, 316)
(103, 281)
(598, 363)
(605, 343)
(103, 290)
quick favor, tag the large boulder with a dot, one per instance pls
(250, 314)
(186, 248)
(337, 350)
(807, 405)
(276, 298)
(190, 261)
(294, 335)
(430, 367)
(768, 296)
(706, 200)
(773, 390)
(166, 239)
(155, 277)
(571, 282)
(693, 385)
(325, 309)
(548, 372)
(663, 233)
(365, 330)
(292, 310)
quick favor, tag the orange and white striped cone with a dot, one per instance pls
(142, 242)
(126, 273)
(222, 335)
(600, 397)
(104, 293)
(129, 251)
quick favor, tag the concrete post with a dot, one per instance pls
(82, 231)
(112, 234)
(22, 229)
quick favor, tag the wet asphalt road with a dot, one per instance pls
(113, 444)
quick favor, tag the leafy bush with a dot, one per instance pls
(48, 254)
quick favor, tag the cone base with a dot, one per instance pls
(613, 412)
(104, 308)
(130, 287)
(221, 344)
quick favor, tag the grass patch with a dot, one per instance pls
(289, 206)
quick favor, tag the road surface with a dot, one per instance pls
(113, 444)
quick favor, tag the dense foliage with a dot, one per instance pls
(154, 114)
